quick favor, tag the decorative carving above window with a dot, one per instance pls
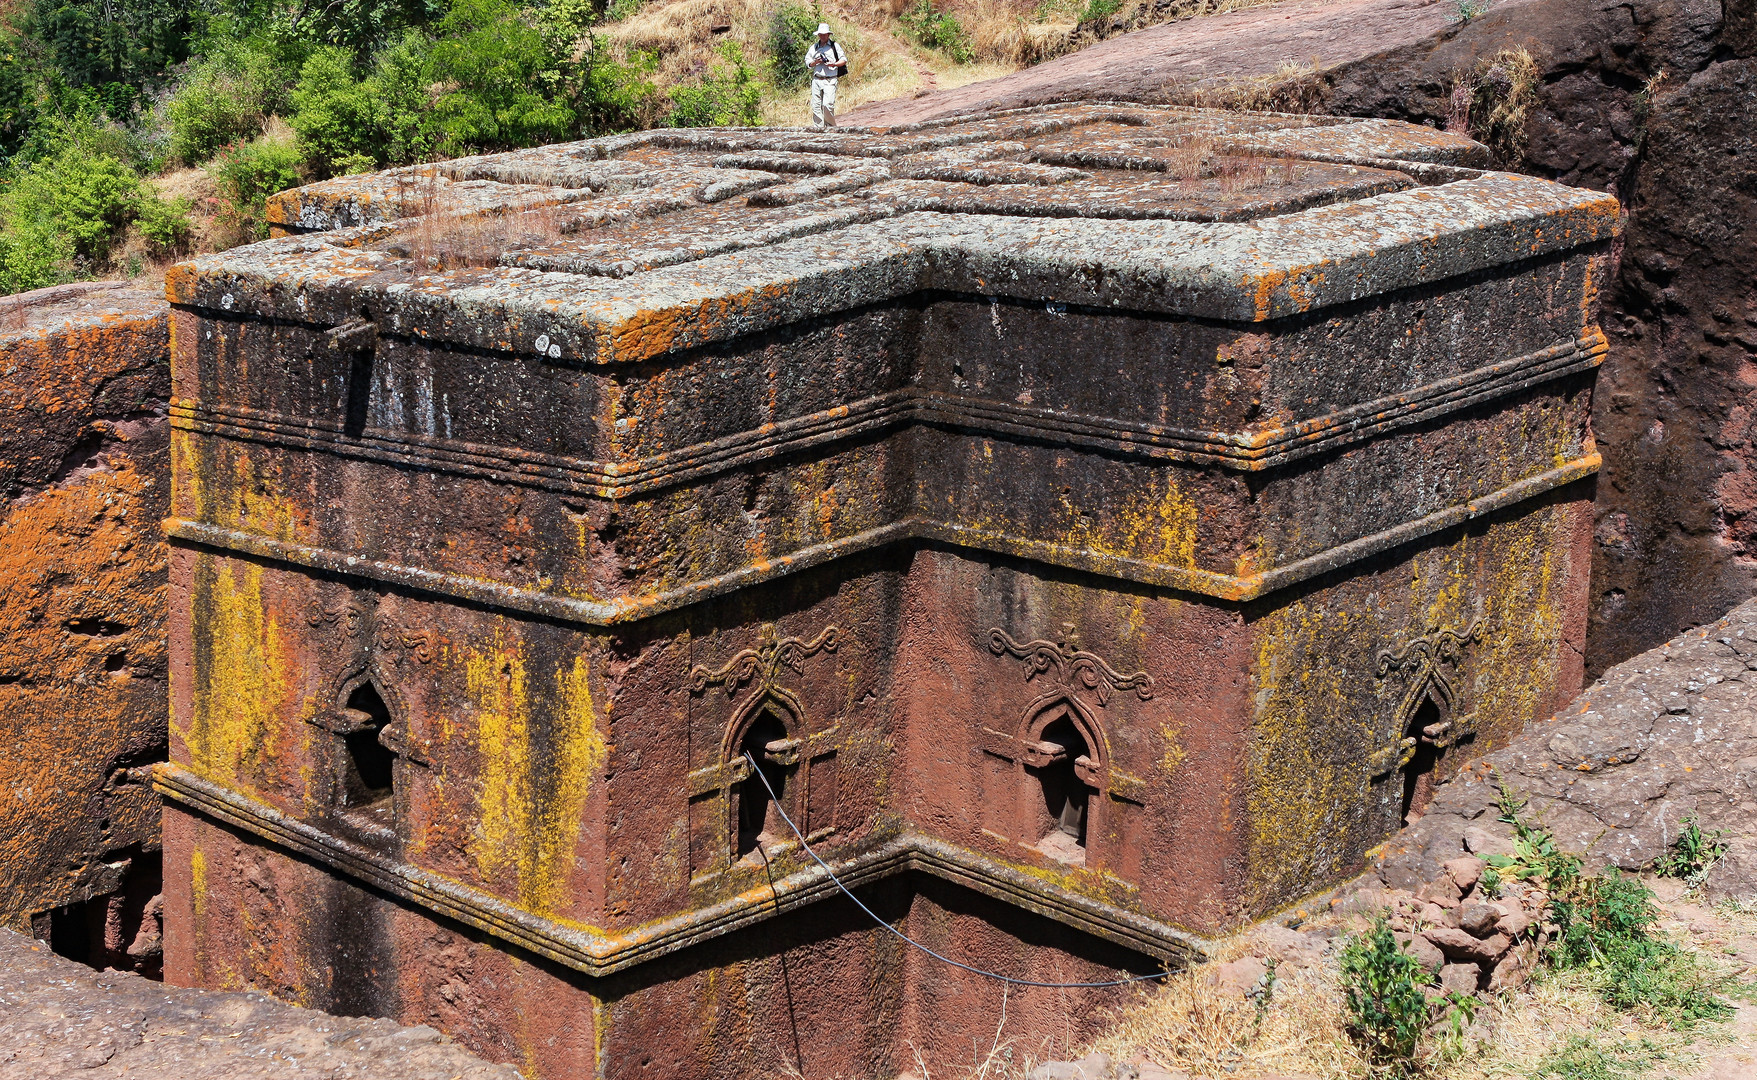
(1072, 668)
(763, 664)
(1428, 718)
(732, 817)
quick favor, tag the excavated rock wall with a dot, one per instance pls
(1654, 102)
(60, 1019)
(84, 483)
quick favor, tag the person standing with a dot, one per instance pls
(827, 62)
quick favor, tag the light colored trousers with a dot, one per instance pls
(823, 101)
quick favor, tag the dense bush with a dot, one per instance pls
(62, 212)
(246, 174)
(724, 97)
(223, 99)
(789, 28)
(935, 29)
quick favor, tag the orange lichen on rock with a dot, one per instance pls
(82, 616)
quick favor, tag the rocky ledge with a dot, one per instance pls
(59, 1018)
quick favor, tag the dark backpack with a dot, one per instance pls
(841, 69)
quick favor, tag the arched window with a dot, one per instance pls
(1066, 798)
(368, 773)
(759, 820)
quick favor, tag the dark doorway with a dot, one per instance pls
(1419, 774)
(1065, 796)
(369, 771)
(759, 820)
(120, 929)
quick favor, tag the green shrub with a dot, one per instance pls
(61, 213)
(336, 116)
(1606, 931)
(728, 95)
(788, 30)
(1387, 1010)
(246, 174)
(935, 29)
(34, 252)
(1097, 10)
(501, 79)
(221, 102)
(165, 223)
(616, 95)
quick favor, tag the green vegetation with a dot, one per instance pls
(64, 208)
(99, 96)
(1692, 854)
(789, 23)
(1607, 928)
(932, 28)
(1387, 1011)
(1581, 1058)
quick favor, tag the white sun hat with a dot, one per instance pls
(823, 28)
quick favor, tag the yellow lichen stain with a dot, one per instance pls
(1174, 754)
(1311, 808)
(532, 799)
(245, 670)
(1154, 526)
(198, 884)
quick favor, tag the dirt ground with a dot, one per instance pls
(1170, 60)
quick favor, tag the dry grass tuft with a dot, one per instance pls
(445, 235)
(1492, 102)
(1294, 86)
(1001, 33)
(1189, 1025)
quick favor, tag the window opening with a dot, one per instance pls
(368, 775)
(1065, 796)
(759, 819)
(1418, 776)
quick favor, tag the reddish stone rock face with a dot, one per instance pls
(1085, 527)
(84, 484)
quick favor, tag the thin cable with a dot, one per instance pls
(905, 938)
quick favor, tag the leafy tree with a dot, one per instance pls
(125, 44)
(726, 96)
(336, 115)
(503, 80)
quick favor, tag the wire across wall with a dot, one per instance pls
(905, 938)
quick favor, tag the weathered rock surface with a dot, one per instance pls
(1668, 735)
(84, 483)
(59, 1018)
(1651, 100)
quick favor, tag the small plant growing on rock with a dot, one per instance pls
(1382, 986)
(1607, 929)
(1465, 11)
(1693, 854)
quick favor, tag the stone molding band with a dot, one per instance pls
(612, 612)
(1249, 451)
(598, 953)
